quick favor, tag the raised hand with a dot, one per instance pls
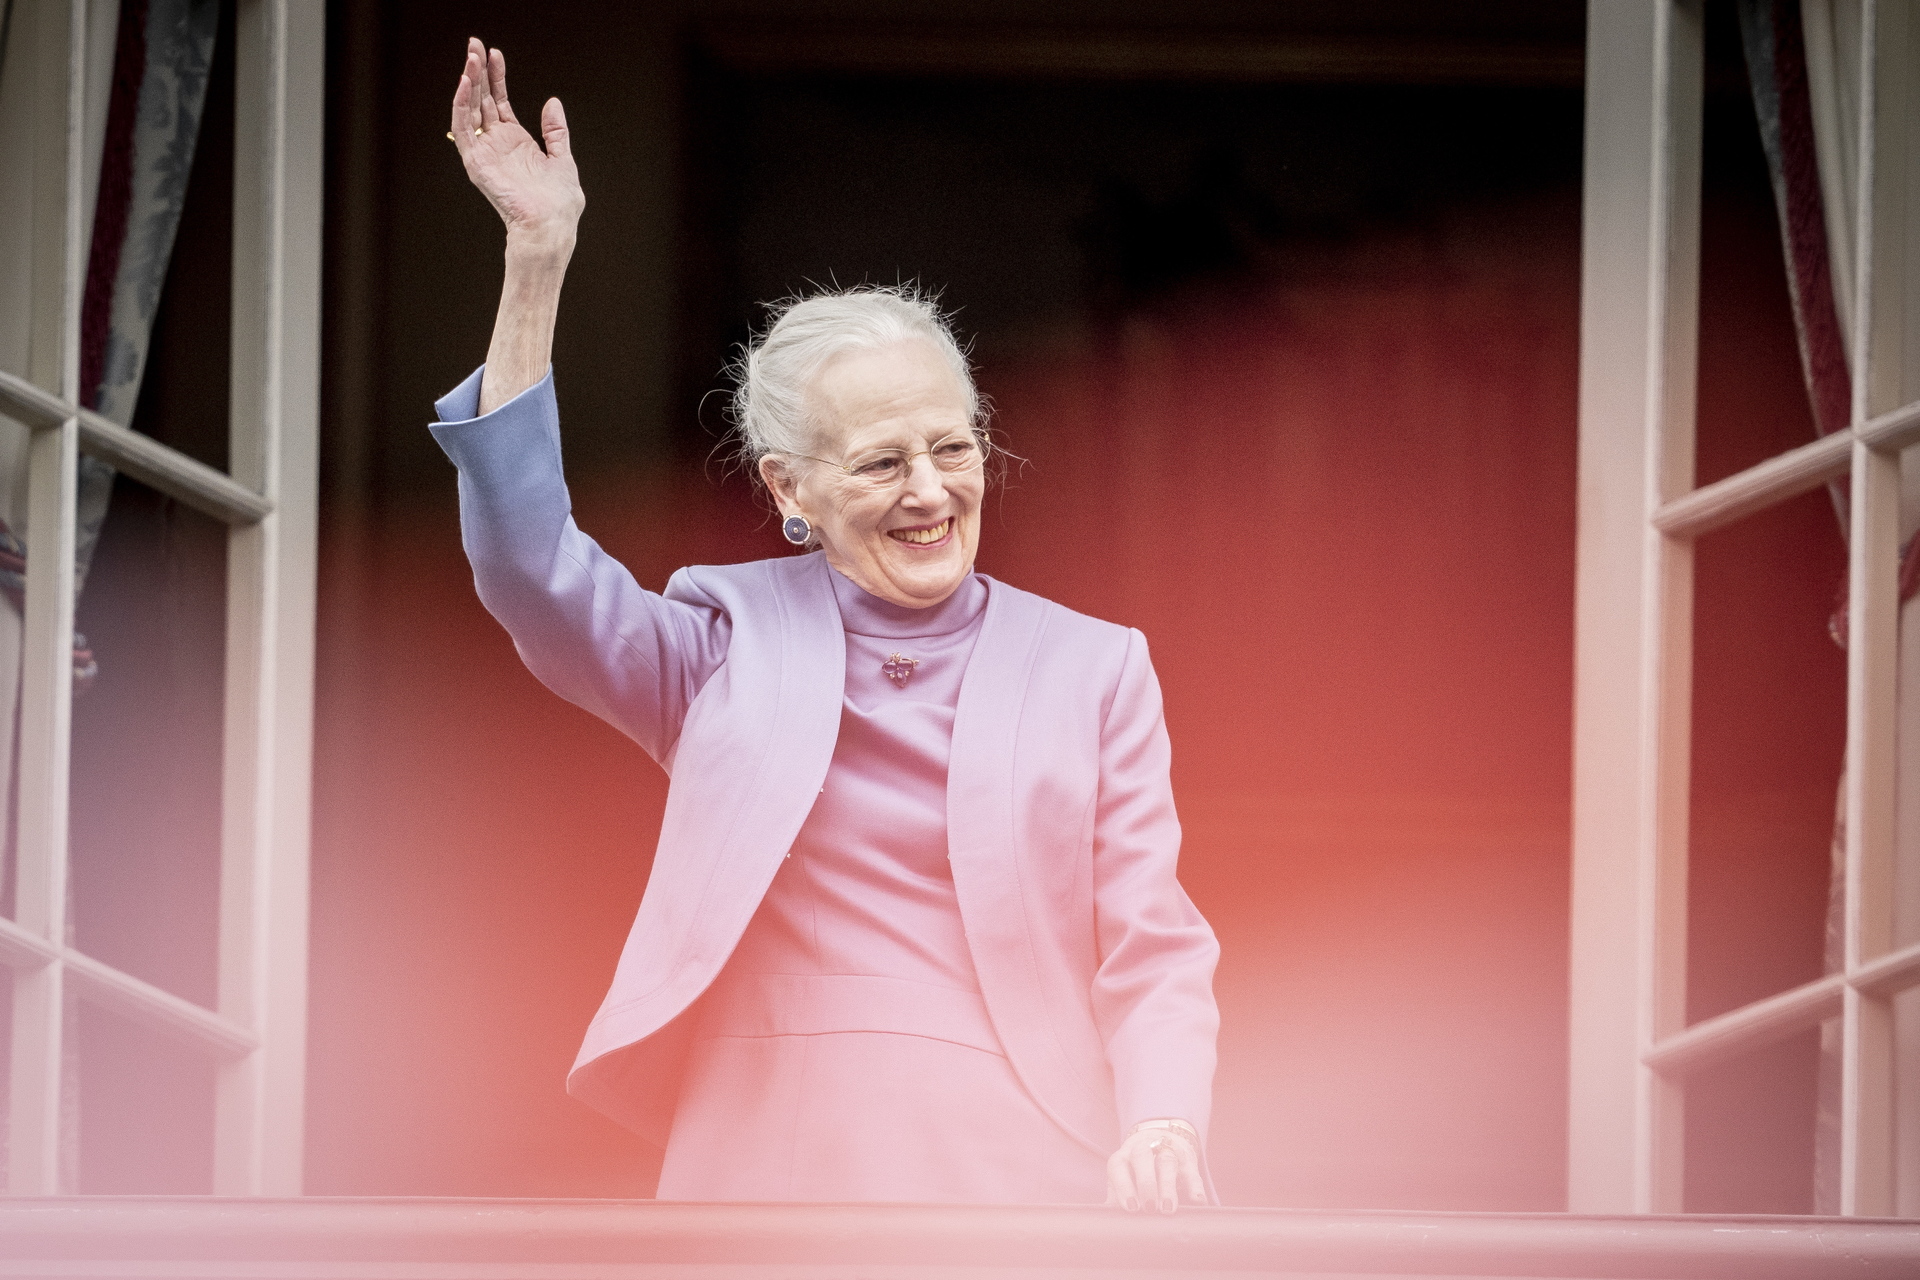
(535, 191)
(537, 194)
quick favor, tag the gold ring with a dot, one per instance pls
(1163, 1144)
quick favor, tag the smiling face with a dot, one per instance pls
(910, 540)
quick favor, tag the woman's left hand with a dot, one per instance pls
(1153, 1167)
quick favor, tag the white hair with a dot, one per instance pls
(775, 367)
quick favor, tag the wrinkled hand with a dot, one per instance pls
(1152, 1168)
(536, 192)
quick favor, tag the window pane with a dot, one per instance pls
(1750, 1131)
(145, 1110)
(1753, 400)
(183, 388)
(1769, 709)
(1769, 718)
(147, 744)
(6, 1064)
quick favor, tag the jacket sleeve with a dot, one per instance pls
(581, 623)
(1153, 992)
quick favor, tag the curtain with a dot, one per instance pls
(147, 69)
(1803, 62)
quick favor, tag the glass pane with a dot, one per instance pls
(1750, 1131)
(1769, 711)
(147, 744)
(1769, 707)
(144, 1107)
(6, 1067)
(1754, 401)
(18, 85)
(183, 387)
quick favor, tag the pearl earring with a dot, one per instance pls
(797, 530)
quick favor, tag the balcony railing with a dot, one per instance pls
(324, 1239)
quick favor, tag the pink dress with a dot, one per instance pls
(845, 1052)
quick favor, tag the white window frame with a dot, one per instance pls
(1640, 512)
(257, 1033)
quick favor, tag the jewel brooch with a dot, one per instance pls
(899, 669)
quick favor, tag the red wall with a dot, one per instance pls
(1341, 510)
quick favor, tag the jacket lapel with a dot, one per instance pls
(752, 757)
(786, 679)
(805, 723)
(983, 844)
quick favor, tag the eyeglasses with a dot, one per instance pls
(885, 468)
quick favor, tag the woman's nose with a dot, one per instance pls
(925, 484)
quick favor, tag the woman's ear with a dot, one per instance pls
(779, 482)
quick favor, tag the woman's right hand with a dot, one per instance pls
(536, 192)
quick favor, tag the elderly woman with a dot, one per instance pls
(913, 930)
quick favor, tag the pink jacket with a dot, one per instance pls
(1095, 966)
